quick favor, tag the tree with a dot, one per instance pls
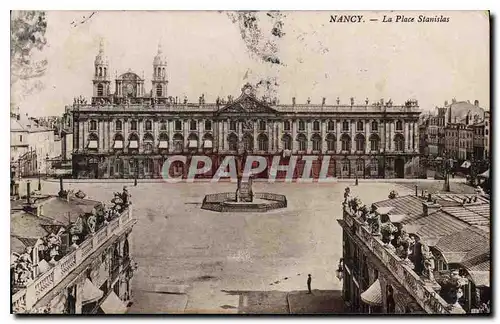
(27, 36)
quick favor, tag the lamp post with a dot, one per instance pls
(39, 181)
(47, 165)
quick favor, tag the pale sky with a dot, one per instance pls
(430, 62)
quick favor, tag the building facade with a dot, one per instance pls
(417, 254)
(70, 256)
(131, 132)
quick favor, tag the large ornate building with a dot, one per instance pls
(131, 132)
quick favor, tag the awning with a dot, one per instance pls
(163, 144)
(92, 145)
(193, 144)
(485, 174)
(118, 145)
(466, 164)
(373, 295)
(90, 292)
(113, 305)
(207, 144)
(133, 144)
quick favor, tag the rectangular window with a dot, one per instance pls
(232, 125)
(345, 167)
(286, 125)
(178, 125)
(192, 125)
(93, 125)
(302, 125)
(163, 126)
(149, 125)
(331, 126)
(345, 126)
(20, 138)
(133, 125)
(208, 125)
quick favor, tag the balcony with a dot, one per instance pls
(422, 291)
(27, 296)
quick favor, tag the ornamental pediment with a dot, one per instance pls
(247, 104)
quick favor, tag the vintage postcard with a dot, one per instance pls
(250, 162)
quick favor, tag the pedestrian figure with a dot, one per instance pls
(135, 182)
(309, 279)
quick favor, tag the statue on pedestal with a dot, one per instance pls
(373, 219)
(428, 260)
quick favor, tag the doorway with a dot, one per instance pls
(399, 168)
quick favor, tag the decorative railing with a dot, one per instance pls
(25, 298)
(421, 290)
(210, 107)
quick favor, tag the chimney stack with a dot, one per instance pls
(430, 207)
(28, 192)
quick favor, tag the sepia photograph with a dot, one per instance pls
(250, 162)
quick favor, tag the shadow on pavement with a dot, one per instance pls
(282, 302)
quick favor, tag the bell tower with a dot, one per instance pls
(101, 79)
(159, 81)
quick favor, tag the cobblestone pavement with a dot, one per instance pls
(196, 261)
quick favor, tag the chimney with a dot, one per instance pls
(28, 192)
(430, 207)
(39, 210)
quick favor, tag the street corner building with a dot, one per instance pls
(417, 254)
(70, 255)
(130, 132)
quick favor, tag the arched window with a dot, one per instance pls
(345, 126)
(93, 141)
(331, 143)
(100, 71)
(149, 125)
(178, 140)
(133, 125)
(374, 142)
(193, 141)
(147, 141)
(399, 143)
(232, 140)
(359, 126)
(105, 71)
(331, 125)
(263, 142)
(374, 126)
(118, 125)
(346, 142)
(302, 140)
(96, 71)
(399, 125)
(100, 90)
(287, 142)
(163, 137)
(93, 125)
(163, 72)
(286, 125)
(262, 125)
(248, 142)
(192, 125)
(302, 125)
(316, 126)
(316, 142)
(159, 90)
(360, 143)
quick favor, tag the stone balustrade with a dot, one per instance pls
(25, 298)
(191, 107)
(421, 290)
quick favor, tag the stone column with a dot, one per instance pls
(186, 132)
(81, 139)
(201, 127)
(337, 130)
(416, 137)
(353, 135)
(126, 125)
(156, 133)
(367, 136)
(279, 134)
(324, 146)
(225, 133)
(392, 127)
(270, 135)
(255, 134)
(308, 136)
(294, 136)
(406, 129)
(170, 128)
(410, 137)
